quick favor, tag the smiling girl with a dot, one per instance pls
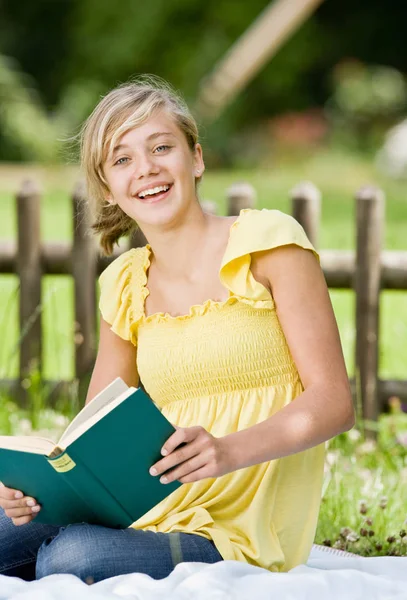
(227, 322)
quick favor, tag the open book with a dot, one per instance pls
(98, 472)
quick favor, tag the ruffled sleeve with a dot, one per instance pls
(256, 231)
(122, 293)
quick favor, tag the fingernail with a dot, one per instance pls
(163, 480)
(30, 502)
(36, 508)
(164, 452)
(18, 495)
(153, 471)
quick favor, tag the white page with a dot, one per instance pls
(74, 434)
(105, 397)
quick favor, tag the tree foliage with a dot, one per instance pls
(75, 50)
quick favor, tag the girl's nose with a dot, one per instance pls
(145, 165)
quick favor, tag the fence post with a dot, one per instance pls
(84, 272)
(238, 196)
(370, 206)
(306, 209)
(28, 202)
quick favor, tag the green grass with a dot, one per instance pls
(363, 507)
(337, 175)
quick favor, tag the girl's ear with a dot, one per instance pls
(199, 163)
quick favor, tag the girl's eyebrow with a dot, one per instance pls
(152, 136)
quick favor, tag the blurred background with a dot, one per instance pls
(326, 103)
(284, 92)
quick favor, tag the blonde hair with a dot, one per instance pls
(122, 109)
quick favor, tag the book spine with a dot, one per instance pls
(107, 510)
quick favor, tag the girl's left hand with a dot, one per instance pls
(202, 456)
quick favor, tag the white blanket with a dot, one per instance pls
(325, 577)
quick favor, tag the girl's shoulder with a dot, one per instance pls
(257, 231)
(122, 291)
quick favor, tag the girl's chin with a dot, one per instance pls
(160, 214)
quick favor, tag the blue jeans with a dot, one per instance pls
(93, 552)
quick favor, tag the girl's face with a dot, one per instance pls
(151, 172)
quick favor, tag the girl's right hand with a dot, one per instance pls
(19, 508)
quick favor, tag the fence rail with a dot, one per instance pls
(367, 271)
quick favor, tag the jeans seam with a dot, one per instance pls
(18, 564)
(175, 548)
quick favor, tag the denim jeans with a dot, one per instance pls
(93, 552)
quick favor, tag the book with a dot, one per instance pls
(98, 472)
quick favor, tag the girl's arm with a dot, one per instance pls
(325, 408)
(115, 358)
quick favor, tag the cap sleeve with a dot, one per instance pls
(121, 293)
(256, 231)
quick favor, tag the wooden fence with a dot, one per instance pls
(367, 271)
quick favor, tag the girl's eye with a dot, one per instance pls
(121, 161)
(163, 146)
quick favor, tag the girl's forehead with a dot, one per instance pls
(149, 130)
(156, 123)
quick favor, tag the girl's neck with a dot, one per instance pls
(178, 253)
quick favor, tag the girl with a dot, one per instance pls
(228, 323)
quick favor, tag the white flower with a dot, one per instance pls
(367, 447)
(24, 427)
(331, 457)
(354, 435)
(61, 421)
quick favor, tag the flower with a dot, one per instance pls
(402, 438)
(354, 435)
(383, 502)
(332, 457)
(367, 447)
(345, 531)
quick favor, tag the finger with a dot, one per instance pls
(13, 513)
(183, 435)
(173, 441)
(23, 520)
(198, 475)
(26, 501)
(176, 457)
(186, 468)
(10, 493)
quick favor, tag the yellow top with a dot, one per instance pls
(225, 366)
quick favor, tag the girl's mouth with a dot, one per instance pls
(155, 197)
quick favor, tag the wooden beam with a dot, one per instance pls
(250, 53)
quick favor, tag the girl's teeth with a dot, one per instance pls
(153, 191)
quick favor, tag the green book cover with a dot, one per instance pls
(99, 471)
